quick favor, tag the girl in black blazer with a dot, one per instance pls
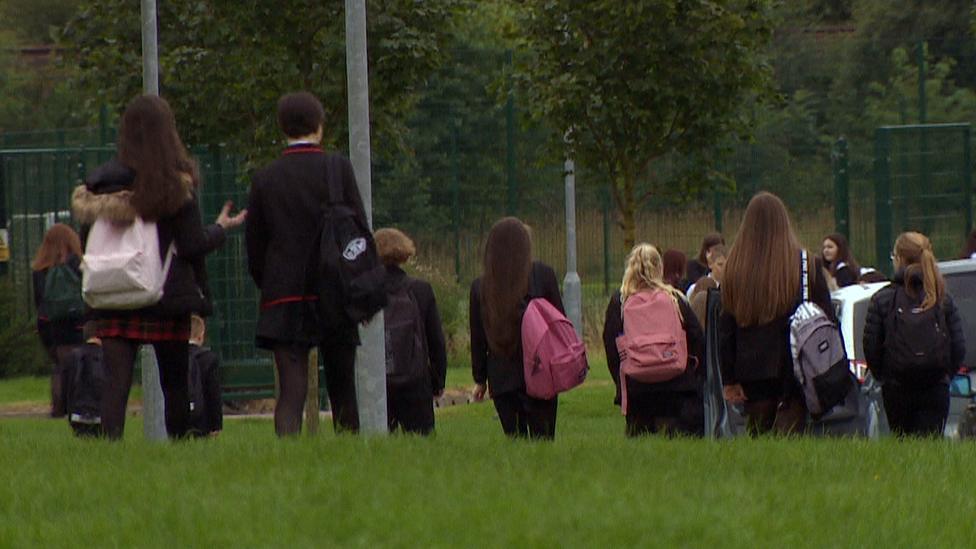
(498, 298)
(153, 177)
(760, 290)
(674, 406)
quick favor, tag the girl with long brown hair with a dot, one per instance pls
(508, 281)
(61, 246)
(839, 261)
(914, 341)
(673, 406)
(154, 178)
(760, 290)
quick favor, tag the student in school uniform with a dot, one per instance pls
(416, 354)
(509, 279)
(285, 213)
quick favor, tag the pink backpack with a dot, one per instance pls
(553, 356)
(653, 347)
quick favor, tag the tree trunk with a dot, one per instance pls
(627, 204)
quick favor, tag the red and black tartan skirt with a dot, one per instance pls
(143, 328)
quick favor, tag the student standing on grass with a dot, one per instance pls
(416, 356)
(839, 261)
(285, 211)
(206, 405)
(760, 291)
(153, 177)
(60, 329)
(498, 299)
(717, 257)
(913, 340)
(673, 406)
(674, 267)
(698, 266)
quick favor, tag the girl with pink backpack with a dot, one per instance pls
(509, 281)
(654, 348)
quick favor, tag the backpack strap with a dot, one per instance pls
(804, 277)
(333, 180)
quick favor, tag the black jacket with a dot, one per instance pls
(762, 353)
(505, 374)
(423, 294)
(284, 217)
(106, 193)
(881, 306)
(690, 381)
(57, 332)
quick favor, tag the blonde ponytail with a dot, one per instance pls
(914, 251)
(645, 271)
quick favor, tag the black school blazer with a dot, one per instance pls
(284, 215)
(504, 374)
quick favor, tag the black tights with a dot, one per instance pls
(120, 357)
(340, 382)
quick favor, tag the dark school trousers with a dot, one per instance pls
(410, 408)
(524, 416)
(291, 360)
(916, 411)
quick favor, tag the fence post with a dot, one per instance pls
(572, 288)
(4, 227)
(967, 177)
(882, 202)
(606, 241)
(842, 207)
(511, 184)
(456, 199)
(717, 209)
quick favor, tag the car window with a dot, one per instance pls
(962, 288)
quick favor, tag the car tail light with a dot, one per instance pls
(860, 369)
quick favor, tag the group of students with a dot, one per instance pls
(758, 280)
(70, 336)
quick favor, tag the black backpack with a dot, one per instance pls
(917, 342)
(406, 346)
(350, 281)
(62, 294)
(85, 376)
(197, 398)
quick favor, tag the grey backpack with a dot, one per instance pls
(819, 359)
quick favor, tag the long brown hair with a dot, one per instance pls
(844, 255)
(762, 273)
(913, 251)
(505, 283)
(150, 144)
(60, 242)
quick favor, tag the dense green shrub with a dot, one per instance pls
(21, 352)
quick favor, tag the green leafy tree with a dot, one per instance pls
(224, 63)
(632, 82)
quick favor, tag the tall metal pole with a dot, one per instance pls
(153, 408)
(572, 288)
(371, 355)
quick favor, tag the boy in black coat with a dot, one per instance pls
(414, 343)
(206, 406)
(284, 217)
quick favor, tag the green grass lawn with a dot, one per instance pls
(469, 486)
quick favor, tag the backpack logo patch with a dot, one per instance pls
(354, 249)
